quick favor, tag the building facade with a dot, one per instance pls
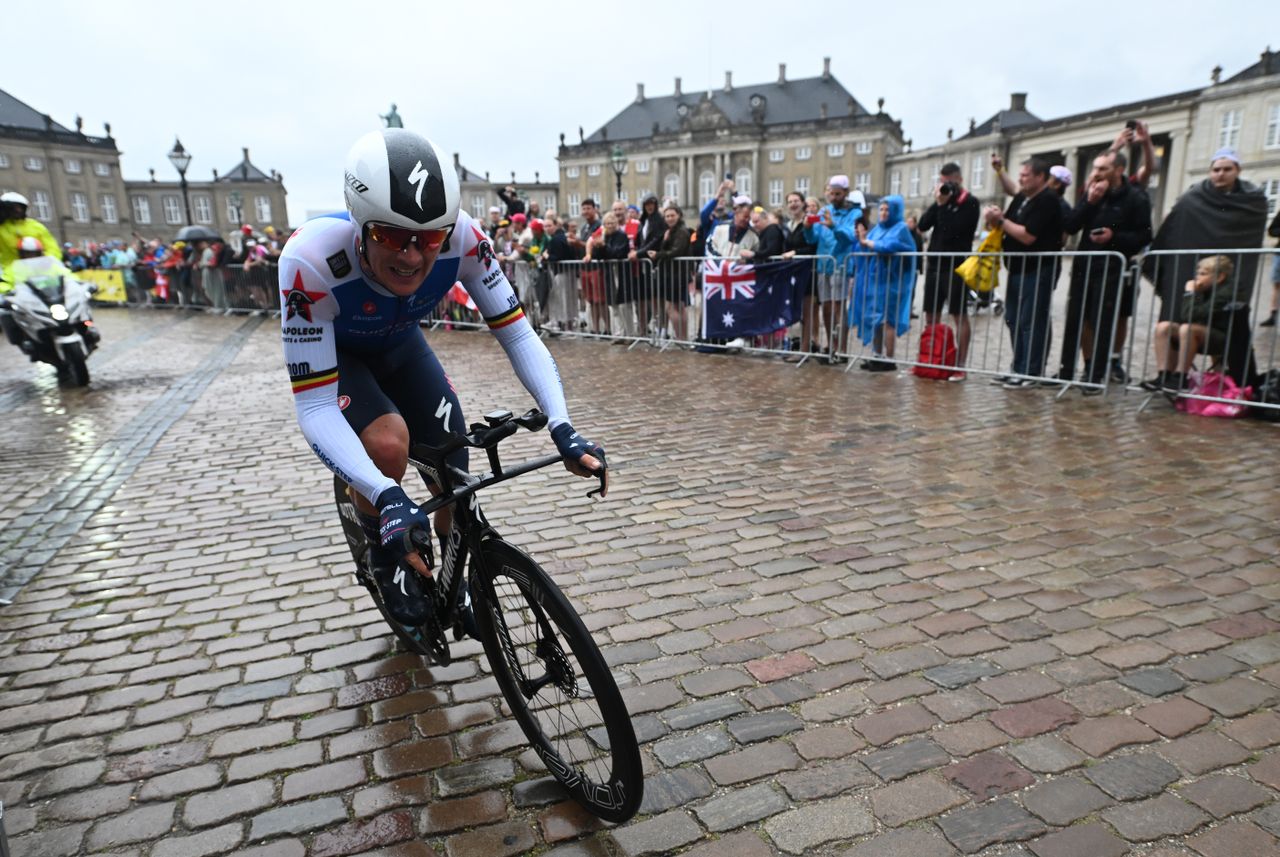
(1242, 112)
(770, 138)
(74, 184)
(478, 192)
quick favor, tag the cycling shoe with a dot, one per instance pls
(399, 587)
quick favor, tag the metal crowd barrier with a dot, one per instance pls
(1075, 320)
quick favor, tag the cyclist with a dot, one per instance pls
(353, 288)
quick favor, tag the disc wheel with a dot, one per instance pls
(556, 682)
(428, 639)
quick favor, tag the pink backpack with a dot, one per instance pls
(1219, 386)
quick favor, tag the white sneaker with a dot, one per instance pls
(737, 342)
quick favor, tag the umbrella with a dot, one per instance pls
(197, 233)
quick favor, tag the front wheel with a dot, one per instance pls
(76, 363)
(556, 682)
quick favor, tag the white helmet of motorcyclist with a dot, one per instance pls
(32, 245)
(14, 198)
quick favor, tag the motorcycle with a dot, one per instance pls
(48, 317)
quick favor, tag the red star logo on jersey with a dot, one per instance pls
(298, 301)
(483, 251)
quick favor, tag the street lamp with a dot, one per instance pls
(618, 160)
(181, 159)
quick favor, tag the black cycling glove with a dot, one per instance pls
(397, 516)
(572, 446)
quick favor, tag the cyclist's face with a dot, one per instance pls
(401, 272)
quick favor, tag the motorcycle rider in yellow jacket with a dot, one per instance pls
(14, 227)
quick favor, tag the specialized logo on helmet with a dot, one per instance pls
(298, 301)
(420, 177)
(417, 190)
(355, 184)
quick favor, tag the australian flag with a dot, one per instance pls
(751, 300)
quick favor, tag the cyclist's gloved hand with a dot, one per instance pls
(397, 516)
(573, 446)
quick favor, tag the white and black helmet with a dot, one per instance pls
(401, 178)
(14, 198)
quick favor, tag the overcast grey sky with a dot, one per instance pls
(498, 81)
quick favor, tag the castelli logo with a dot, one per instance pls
(343, 401)
(369, 307)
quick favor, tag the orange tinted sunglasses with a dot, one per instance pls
(399, 238)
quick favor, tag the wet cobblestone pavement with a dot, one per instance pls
(854, 615)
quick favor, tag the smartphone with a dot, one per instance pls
(1132, 125)
(811, 219)
(728, 177)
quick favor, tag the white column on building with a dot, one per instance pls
(720, 160)
(682, 191)
(1178, 179)
(1070, 157)
(757, 186)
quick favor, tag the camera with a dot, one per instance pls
(1132, 125)
(948, 188)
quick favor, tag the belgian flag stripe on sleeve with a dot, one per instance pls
(314, 379)
(509, 317)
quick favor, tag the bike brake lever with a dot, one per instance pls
(420, 541)
(602, 475)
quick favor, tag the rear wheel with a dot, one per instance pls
(77, 366)
(556, 682)
(421, 640)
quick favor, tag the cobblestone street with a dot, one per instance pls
(854, 615)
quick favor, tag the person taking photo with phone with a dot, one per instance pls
(1113, 216)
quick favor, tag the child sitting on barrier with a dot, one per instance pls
(1204, 319)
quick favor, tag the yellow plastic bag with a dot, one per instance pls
(980, 273)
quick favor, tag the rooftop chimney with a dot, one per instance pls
(1018, 101)
(456, 161)
(678, 92)
(639, 93)
(782, 72)
(1216, 75)
(822, 110)
(880, 105)
(153, 173)
(728, 81)
(215, 174)
(79, 124)
(853, 106)
(951, 133)
(973, 124)
(826, 68)
(245, 149)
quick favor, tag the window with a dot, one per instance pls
(4, 161)
(107, 203)
(32, 163)
(895, 181)
(40, 206)
(835, 150)
(1272, 189)
(802, 186)
(477, 206)
(913, 187)
(548, 203)
(642, 166)
(141, 209)
(775, 191)
(101, 169)
(1273, 128)
(172, 210)
(262, 207)
(864, 147)
(202, 208)
(863, 182)
(777, 156)
(706, 187)
(671, 186)
(593, 169)
(1229, 132)
(803, 153)
(977, 172)
(575, 205)
(80, 207)
(72, 166)
(572, 172)
(742, 181)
